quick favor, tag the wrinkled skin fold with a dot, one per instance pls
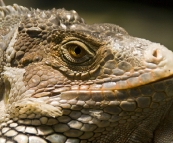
(64, 81)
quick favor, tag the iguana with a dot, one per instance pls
(65, 81)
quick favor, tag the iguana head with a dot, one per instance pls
(65, 81)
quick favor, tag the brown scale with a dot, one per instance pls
(39, 76)
(29, 51)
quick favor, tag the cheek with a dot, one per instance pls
(26, 90)
(24, 83)
(41, 78)
(14, 86)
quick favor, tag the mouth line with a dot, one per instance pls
(98, 89)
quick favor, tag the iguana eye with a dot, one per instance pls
(76, 51)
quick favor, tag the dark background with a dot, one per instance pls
(149, 19)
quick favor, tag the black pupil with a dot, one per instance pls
(77, 50)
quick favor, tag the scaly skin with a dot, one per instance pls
(64, 81)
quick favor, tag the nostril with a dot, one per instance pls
(155, 53)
